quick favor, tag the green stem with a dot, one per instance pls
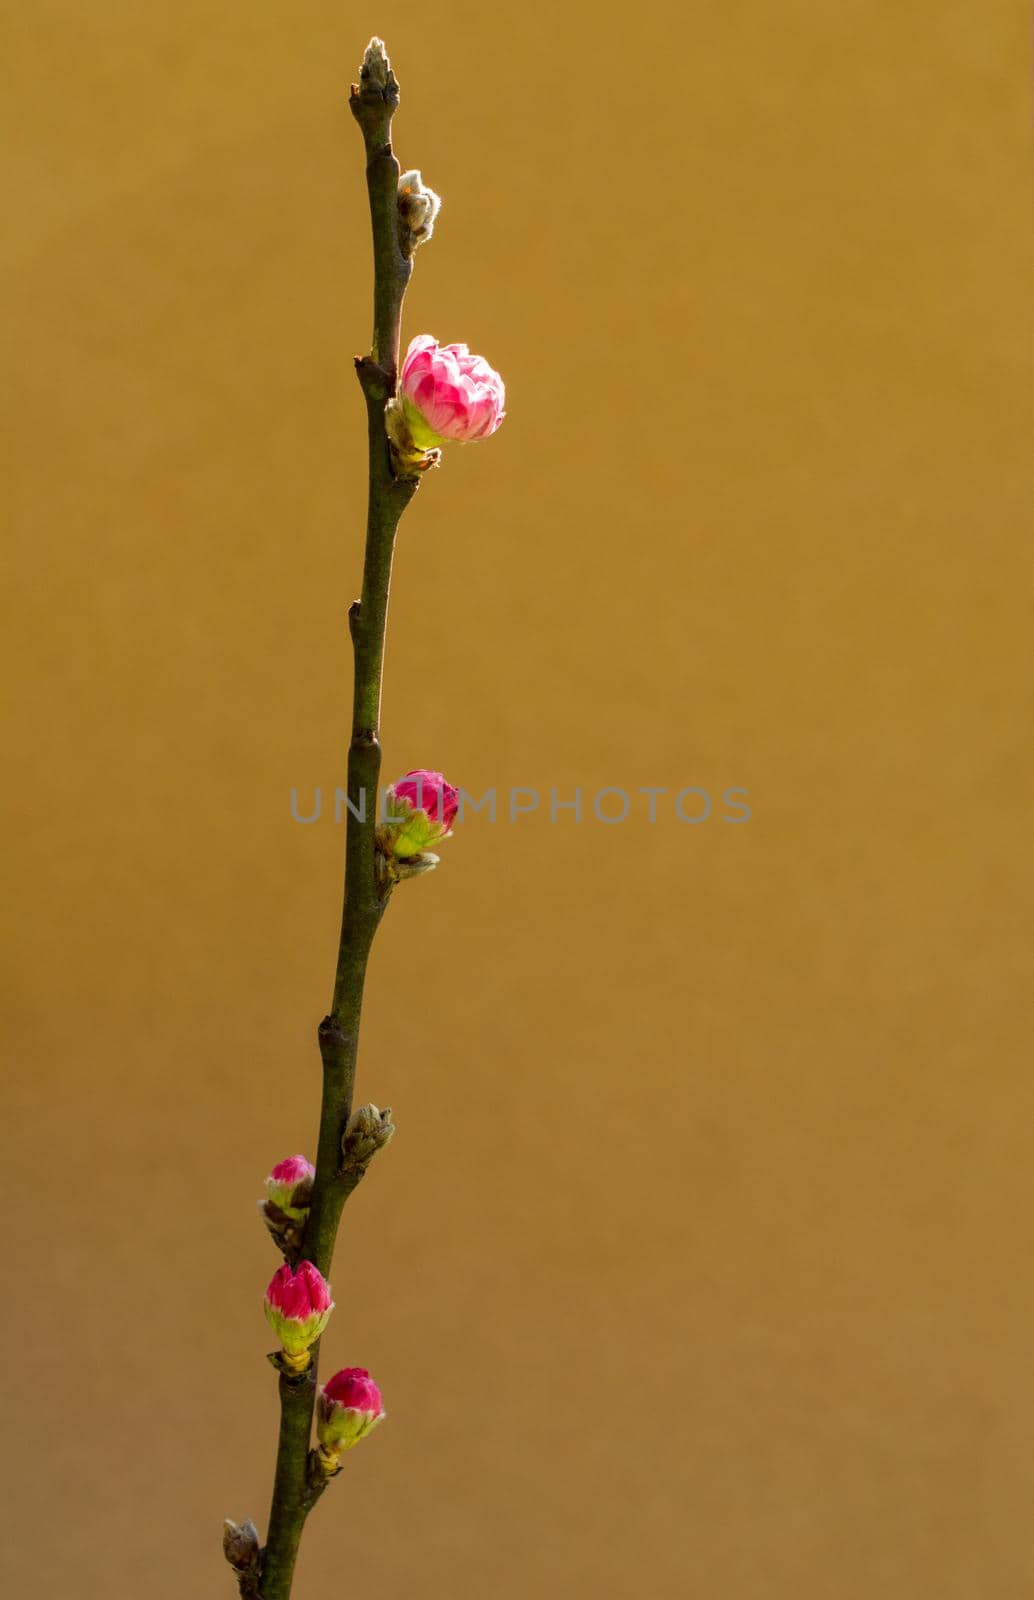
(373, 104)
(297, 1396)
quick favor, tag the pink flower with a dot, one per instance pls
(348, 1407)
(298, 1307)
(445, 394)
(420, 809)
(289, 1186)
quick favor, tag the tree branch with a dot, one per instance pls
(373, 102)
(287, 1516)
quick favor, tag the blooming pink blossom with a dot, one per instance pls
(445, 394)
(298, 1306)
(348, 1407)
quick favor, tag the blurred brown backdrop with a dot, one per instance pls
(702, 1262)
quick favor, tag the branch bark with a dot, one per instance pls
(373, 103)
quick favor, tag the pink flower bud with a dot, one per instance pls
(445, 394)
(298, 1307)
(289, 1186)
(348, 1407)
(420, 810)
(430, 792)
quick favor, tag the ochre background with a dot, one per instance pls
(702, 1263)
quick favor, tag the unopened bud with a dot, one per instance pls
(348, 1407)
(241, 1545)
(418, 208)
(298, 1307)
(420, 810)
(286, 1207)
(369, 1130)
(289, 1186)
(375, 72)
